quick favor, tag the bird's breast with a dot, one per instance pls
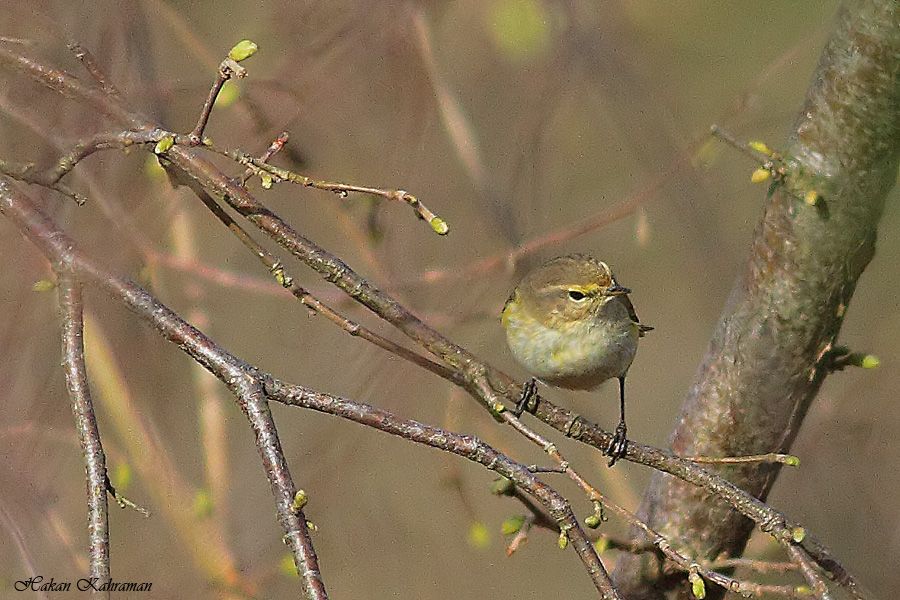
(577, 355)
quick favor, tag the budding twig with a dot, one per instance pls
(228, 68)
(277, 270)
(812, 576)
(274, 148)
(270, 173)
(521, 535)
(772, 165)
(771, 457)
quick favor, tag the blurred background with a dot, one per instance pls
(538, 126)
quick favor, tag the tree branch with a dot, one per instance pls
(764, 368)
(236, 374)
(465, 446)
(252, 387)
(72, 316)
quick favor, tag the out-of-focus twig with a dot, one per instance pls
(90, 65)
(507, 260)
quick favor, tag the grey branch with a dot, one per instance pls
(71, 310)
(764, 365)
(253, 389)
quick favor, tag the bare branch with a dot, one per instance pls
(236, 374)
(247, 384)
(90, 64)
(276, 268)
(72, 314)
(270, 173)
(227, 69)
(771, 457)
(809, 573)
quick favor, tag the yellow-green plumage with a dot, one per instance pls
(572, 325)
(565, 327)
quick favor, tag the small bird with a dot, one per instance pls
(571, 325)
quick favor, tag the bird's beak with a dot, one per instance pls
(617, 290)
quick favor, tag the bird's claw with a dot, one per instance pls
(618, 446)
(529, 392)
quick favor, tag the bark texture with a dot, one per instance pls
(770, 352)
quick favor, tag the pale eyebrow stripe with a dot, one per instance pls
(591, 287)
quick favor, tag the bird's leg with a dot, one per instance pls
(619, 444)
(529, 394)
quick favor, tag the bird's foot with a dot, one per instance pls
(618, 446)
(529, 396)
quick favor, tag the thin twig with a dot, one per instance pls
(278, 272)
(739, 145)
(540, 469)
(812, 576)
(788, 591)
(72, 313)
(102, 141)
(274, 148)
(227, 69)
(123, 501)
(760, 566)
(771, 457)
(245, 382)
(26, 173)
(270, 173)
(771, 164)
(50, 178)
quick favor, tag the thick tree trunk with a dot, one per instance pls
(769, 354)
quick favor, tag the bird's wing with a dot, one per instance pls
(512, 297)
(642, 329)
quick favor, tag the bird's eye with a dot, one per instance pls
(576, 295)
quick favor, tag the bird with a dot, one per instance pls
(571, 325)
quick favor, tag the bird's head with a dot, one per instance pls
(567, 289)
